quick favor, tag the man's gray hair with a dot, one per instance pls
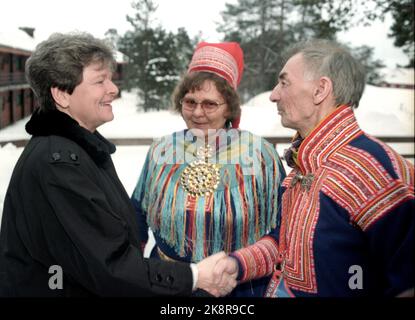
(59, 61)
(330, 59)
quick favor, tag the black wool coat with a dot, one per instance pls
(68, 226)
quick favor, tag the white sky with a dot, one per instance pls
(97, 16)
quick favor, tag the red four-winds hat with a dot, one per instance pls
(224, 59)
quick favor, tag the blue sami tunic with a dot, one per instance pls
(241, 210)
(347, 219)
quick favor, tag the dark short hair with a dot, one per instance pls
(59, 61)
(194, 81)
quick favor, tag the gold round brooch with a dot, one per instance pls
(201, 178)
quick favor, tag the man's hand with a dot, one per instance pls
(225, 269)
(217, 275)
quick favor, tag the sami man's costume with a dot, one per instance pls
(347, 212)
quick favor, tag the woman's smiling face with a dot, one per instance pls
(90, 102)
(199, 118)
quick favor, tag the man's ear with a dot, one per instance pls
(61, 97)
(323, 89)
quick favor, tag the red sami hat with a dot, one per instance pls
(224, 59)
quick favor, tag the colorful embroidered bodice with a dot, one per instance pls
(194, 213)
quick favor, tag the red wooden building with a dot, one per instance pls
(16, 98)
(402, 78)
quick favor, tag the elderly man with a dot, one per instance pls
(347, 221)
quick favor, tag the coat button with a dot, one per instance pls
(56, 156)
(159, 278)
(73, 156)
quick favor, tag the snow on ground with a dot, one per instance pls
(398, 75)
(382, 112)
(387, 111)
(129, 123)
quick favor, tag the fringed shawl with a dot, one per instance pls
(241, 210)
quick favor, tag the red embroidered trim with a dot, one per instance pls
(257, 260)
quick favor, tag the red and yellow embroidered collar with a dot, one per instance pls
(333, 132)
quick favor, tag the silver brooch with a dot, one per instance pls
(305, 180)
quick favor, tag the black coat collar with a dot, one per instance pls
(45, 123)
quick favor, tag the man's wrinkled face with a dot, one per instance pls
(294, 95)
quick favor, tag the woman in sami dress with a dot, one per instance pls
(211, 187)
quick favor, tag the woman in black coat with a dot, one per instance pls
(68, 227)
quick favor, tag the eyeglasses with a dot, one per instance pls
(208, 106)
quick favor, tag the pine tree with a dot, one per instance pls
(136, 45)
(262, 30)
(184, 47)
(364, 54)
(265, 28)
(402, 29)
(156, 58)
(322, 18)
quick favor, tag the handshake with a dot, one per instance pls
(217, 274)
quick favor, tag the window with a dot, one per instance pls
(20, 99)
